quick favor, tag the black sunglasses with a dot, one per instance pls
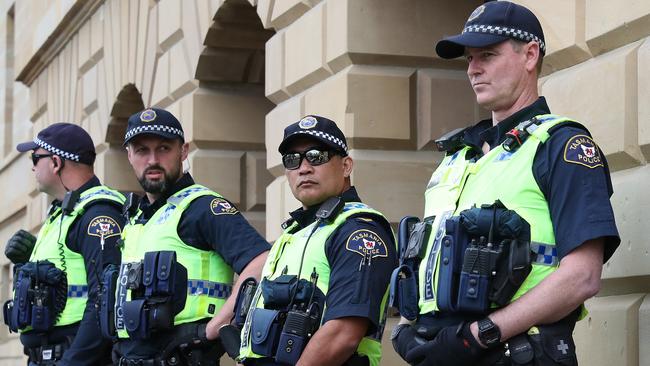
(36, 157)
(292, 161)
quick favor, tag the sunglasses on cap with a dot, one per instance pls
(36, 157)
(314, 157)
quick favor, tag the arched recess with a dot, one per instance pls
(229, 109)
(117, 171)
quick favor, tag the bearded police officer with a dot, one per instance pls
(55, 278)
(181, 245)
(518, 217)
(323, 297)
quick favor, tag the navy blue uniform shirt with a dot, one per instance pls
(88, 347)
(577, 189)
(355, 288)
(208, 223)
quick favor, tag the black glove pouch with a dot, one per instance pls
(266, 327)
(404, 292)
(107, 301)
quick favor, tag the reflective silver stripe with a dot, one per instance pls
(546, 254)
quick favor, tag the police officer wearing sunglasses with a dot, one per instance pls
(338, 248)
(55, 278)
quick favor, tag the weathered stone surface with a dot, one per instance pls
(610, 25)
(643, 93)
(437, 90)
(220, 170)
(274, 85)
(644, 331)
(610, 333)
(257, 178)
(602, 95)
(286, 12)
(280, 117)
(115, 170)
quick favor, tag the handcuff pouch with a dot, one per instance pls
(265, 331)
(136, 319)
(404, 292)
(278, 292)
(107, 300)
(149, 267)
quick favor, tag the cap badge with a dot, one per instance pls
(148, 115)
(307, 123)
(475, 14)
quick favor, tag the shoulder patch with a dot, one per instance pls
(220, 206)
(104, 227)
(366, 242)
(582, 150)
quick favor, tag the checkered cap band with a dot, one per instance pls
(546, 254)
(149, 128)
(326, 136)
(55, 150)
(506, 32)
(77, 290)
(208, 288)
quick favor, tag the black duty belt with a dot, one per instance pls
(47, 354)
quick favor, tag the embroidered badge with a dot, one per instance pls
(148, 115)
(366, 242)
(582, 150)
(220, 206)
(103, 227)
(307, 123)
(476, 13)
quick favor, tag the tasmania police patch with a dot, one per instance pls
(220, 206)
(366, 242)
(582, 150)
(104, 227)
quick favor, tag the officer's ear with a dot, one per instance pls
(185, 149)
(57, 164)
(348, 163)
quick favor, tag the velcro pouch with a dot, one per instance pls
(404, 292)
(277, 293)
(107, 301)
(22, 314)
(265, 331)
(149, 272)
(165, 272)
(517, 263)
(6, 314)
(136, 319)
(557, 343)
(521, 351)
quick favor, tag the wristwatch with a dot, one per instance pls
(488, 333)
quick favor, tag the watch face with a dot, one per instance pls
(488, 332)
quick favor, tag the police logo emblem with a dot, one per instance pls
(582, 150)
(148, 115)
(307, 123)
(220, 206)
(366, 242)
(476, 13)
(104, 227)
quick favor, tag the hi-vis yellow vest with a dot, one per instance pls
(287, 251)
(209, 277)
(458, 184)
(50, 246)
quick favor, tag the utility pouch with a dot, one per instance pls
(404, 292)
(265, 331)
(554, 345)
(6, 312)
(277, 293)
(21, 313)
(160, 314)
(107, 300)
(136, 319)
(165, 273)
(514, 272)
(244, 300)
(452, 249)
(149, 267)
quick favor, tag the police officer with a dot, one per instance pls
(342, 246)
(542, 169)
(181, 245)
(77, 238)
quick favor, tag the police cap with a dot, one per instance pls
(66, 140)
(154, 121)
(318, 128)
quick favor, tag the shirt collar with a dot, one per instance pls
(92, 182)
(484, 131)
(149, 208)
(304, 217)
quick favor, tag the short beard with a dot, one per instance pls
(158, 187)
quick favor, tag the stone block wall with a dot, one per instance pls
(236, 72)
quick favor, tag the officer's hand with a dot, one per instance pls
(405, 338)
(19, 247)
(452, 346)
